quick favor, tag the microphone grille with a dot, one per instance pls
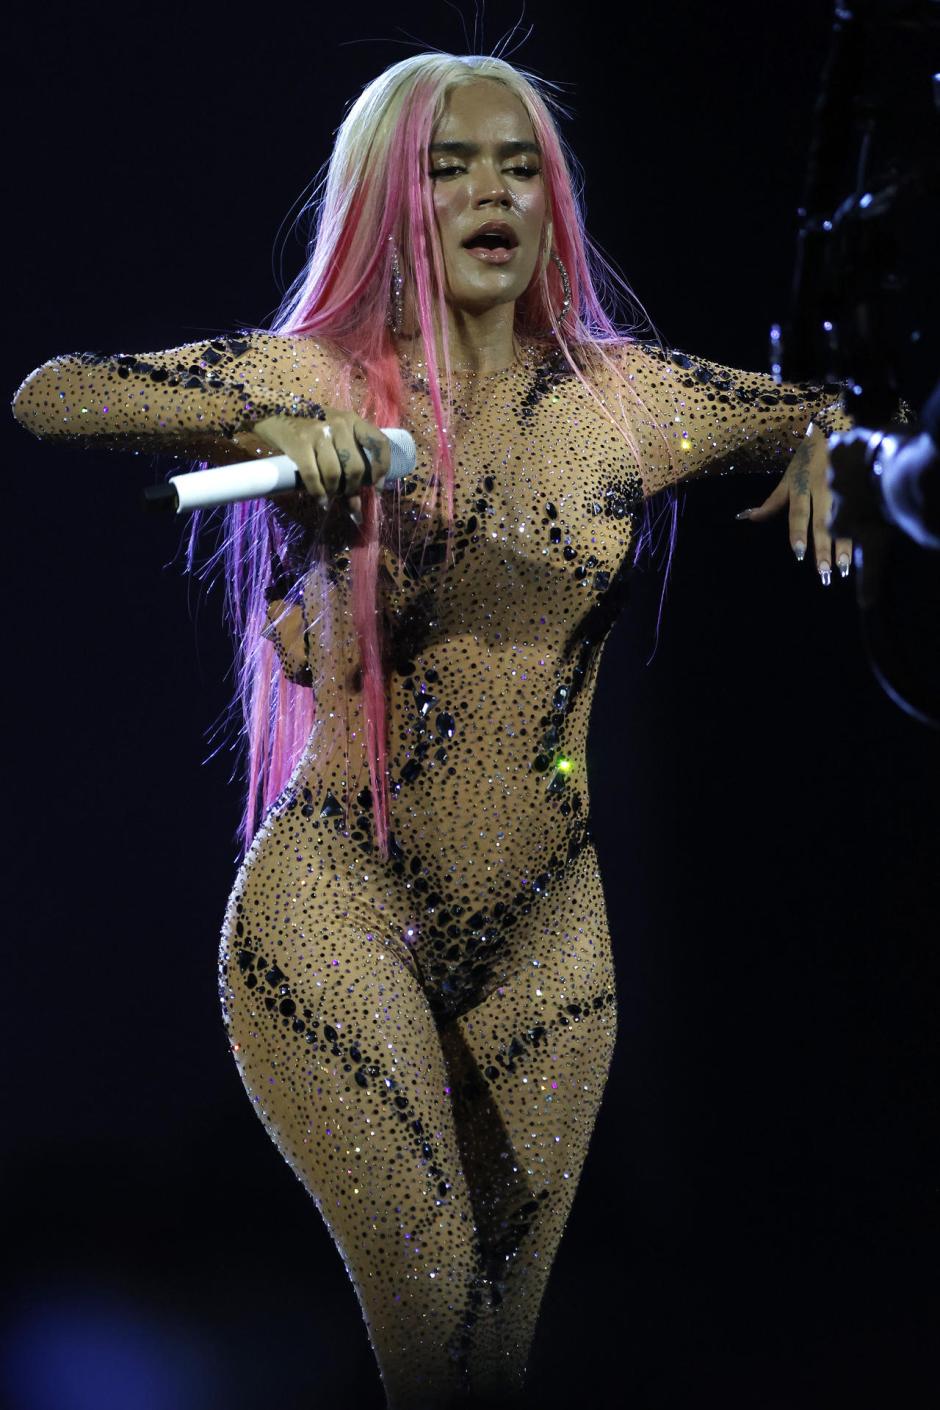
(404, 452)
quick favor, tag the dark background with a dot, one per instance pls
(756, 1222)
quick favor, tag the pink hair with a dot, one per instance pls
(377, 190)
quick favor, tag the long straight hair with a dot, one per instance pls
(375, 191)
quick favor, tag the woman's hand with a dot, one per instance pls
(805, 489)
(336, 455)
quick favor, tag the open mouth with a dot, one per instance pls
(492, 246)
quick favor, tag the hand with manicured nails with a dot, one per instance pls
(334, 456)
(805, 490)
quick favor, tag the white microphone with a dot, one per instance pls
(253, 479)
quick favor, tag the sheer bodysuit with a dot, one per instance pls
(427, 1039)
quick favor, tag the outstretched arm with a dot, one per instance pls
(199, 400)
(190, 400)
(700, 418)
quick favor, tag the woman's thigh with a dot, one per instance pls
(529, 1066)
(341, 1057)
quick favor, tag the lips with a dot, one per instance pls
(499, 255)
(493, 243)
(495, 234)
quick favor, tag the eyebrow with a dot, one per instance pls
(472, 149)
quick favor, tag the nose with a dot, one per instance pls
(491, 187)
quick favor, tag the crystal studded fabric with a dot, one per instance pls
(427, 1039)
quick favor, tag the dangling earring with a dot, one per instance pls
(396, 312)
(567, 303)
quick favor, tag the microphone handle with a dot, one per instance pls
(253, 479)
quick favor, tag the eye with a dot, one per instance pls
(516, 170)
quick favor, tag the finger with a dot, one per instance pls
(327, 459)
(774, 502)
(376, 447)
(350, 458)
(303, 457)
(823, 515)
(822, 539)
(799, 479)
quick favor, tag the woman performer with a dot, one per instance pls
(415, 968)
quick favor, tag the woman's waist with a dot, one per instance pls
(470, 829)
(437, 753)
(506, 794)
(513, 712)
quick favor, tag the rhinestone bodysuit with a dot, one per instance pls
(427, 1038)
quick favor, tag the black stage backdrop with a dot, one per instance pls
(756, 1221)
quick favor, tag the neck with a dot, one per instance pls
(480, 343)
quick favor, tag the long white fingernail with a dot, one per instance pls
(799, 548)
(844, 561)
(323, 502)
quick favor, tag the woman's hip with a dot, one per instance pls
(305, 897)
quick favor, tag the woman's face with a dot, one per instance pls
(485, 167)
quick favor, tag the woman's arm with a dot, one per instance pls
(702, 418)
(190, 400)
